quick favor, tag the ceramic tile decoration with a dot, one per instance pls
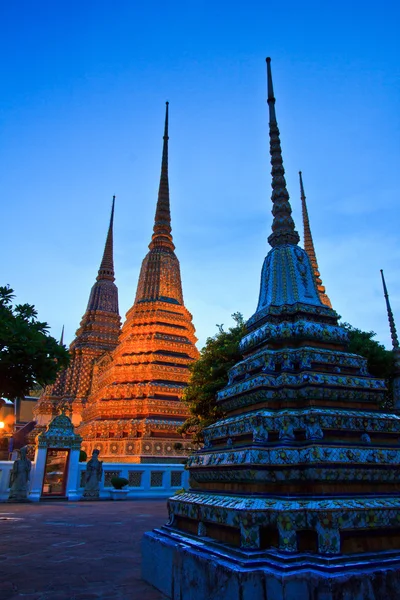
(304, 471)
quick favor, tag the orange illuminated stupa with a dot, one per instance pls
(97, 334)
(135, 407)
(309, 248)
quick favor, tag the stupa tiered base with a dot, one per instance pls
(135, 409)
(298, 502)
(198, 568)
(280, 507)
(138, 440)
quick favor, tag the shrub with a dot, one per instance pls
(119, 482)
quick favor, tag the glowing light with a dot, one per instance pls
(1, 424)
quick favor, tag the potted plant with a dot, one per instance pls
(118, 492)
(178, 447)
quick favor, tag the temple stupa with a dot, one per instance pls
(296, 493)
(97, 334)
(135, 407)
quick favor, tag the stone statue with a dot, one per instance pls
(19, 478)
(94, 472)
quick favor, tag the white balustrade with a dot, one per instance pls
(5, 469)
(145, 480)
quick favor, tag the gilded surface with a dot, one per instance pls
(134, 408)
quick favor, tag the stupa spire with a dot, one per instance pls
(106, 270)
(98, 333)
(395, 348)
(160, 277)
(283, 231)
(393, 332)
(162, 221)
(309, 247)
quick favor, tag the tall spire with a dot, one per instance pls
(309, 247)
(162, 221)
(106, 270)
(160, 278)
(393, 332)
(283, 231)
(62, 337)
(396, 349)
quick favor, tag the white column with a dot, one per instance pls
(38, 474)
(72, 489)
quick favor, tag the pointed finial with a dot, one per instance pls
(106, 270)
(62, 336)
(162, 221)
(393, 332)
(302, 194)
(166, 122)
(271, 97)
(309, 247)
(396, 349)
(283, 231)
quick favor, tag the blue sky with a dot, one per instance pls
(82, 99)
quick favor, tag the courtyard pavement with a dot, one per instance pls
(76, 550)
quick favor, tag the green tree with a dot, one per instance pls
(380, 361)
(209, 374)
(29, 356)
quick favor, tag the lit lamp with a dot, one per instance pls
(1, 424)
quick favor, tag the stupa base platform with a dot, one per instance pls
(185, 568)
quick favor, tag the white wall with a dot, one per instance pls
(5, 468)
(172, 477)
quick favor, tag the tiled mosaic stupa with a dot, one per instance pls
(98, 334)
(135, 407)
(296, 493)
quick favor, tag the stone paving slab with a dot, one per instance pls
(76, 550)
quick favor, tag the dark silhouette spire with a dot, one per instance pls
(283, 231)
(395, 348)
(309, 247)
(106, 270)
(104, 293)
(393, 332)
(162, 221)
(62, 336)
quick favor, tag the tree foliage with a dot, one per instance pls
(29, 356)
(209, 374)
(380, 361)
